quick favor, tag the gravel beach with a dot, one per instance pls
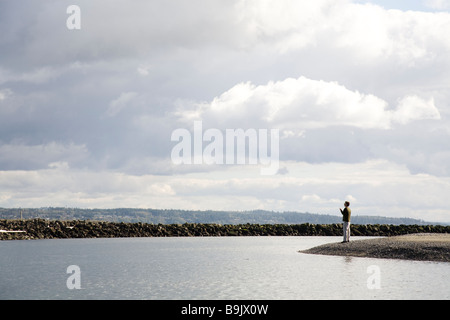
(423, 247)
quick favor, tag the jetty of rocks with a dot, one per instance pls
(18, 229)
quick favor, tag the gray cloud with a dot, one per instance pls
(346, 84)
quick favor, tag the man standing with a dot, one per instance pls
(346, 213)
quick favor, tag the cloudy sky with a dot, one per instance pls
(359, 91)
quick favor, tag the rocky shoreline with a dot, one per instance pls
(423, 247)
(56, 229)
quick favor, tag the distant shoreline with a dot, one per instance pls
(16, 229)
(421, 247)
(174, 216)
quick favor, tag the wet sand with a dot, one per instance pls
(423, 247)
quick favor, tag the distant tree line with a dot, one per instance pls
(174, 216)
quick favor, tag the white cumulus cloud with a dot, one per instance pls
(305, 103)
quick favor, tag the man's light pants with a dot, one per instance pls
(346, 231)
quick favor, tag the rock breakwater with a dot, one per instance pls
(57, 229)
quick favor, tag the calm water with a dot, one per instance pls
(209, 268)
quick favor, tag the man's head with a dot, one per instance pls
(346, 203)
